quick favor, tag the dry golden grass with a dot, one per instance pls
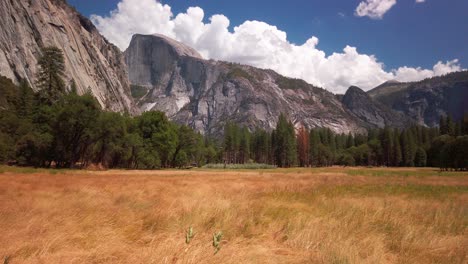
(333, 215)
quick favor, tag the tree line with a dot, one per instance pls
(287, 146)
(57, 127)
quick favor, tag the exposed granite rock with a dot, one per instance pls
(205, 94)
(427, 100)
(90, 60)
(372, 112)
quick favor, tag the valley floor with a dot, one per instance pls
(325, 215)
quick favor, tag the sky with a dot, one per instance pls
(332, 44)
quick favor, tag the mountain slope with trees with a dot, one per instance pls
(93, 64)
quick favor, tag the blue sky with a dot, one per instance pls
(409, 34)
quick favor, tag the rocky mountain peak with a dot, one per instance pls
(355, 91)
(370, 111)
(162, 41)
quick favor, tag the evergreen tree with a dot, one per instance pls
(397, 158)
(303, 147)
(443, 126)
(285, 143)
(24, 107)
(465, 124)
(314, 141)
(450, 126)
(51, 73)
(388, 146)
(73, 88)
(244, 145)
(350, 141)
(420, 158)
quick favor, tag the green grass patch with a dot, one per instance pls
(403, 173)
(410, 190)
(246, 166)
(138, 91)
(29, 170)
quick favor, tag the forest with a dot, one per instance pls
(56, 127)
(287, 146)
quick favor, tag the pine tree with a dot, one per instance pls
(285, 143)
(303, 147)
(397, 159)
(465, 124)
(450, 126)
(314, 141)
(420, 158)
(25, 100)
(51, 73)
(408, 148)
(244, 145)
(350, 141)
(387, 145)
(443, 126)
(73, 88)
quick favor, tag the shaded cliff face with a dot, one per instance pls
(372, 112)
(427, 100)
(205, 94)
(94, 63)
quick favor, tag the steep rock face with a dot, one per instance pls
(94, 63)
(205, 94)
(372, 112)
(427, 100)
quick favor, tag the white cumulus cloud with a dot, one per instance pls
(374, 8)
(258, 44)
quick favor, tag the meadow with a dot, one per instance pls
(320, 215)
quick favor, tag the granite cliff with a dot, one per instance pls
(93, 62)
(373, 112)
(205, 94)
(427, 100)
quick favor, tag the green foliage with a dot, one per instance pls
(51, 73)
(73, 87)
(181, 160)
(8, 94)
(189, 235)
(159, 136)
(217, 241)
(420, 159)
(284, 142)
(6, 148)
(238, 72)
(293, 84)
(346, 159)
(73, 128)
(138, 91)
(454, 154)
